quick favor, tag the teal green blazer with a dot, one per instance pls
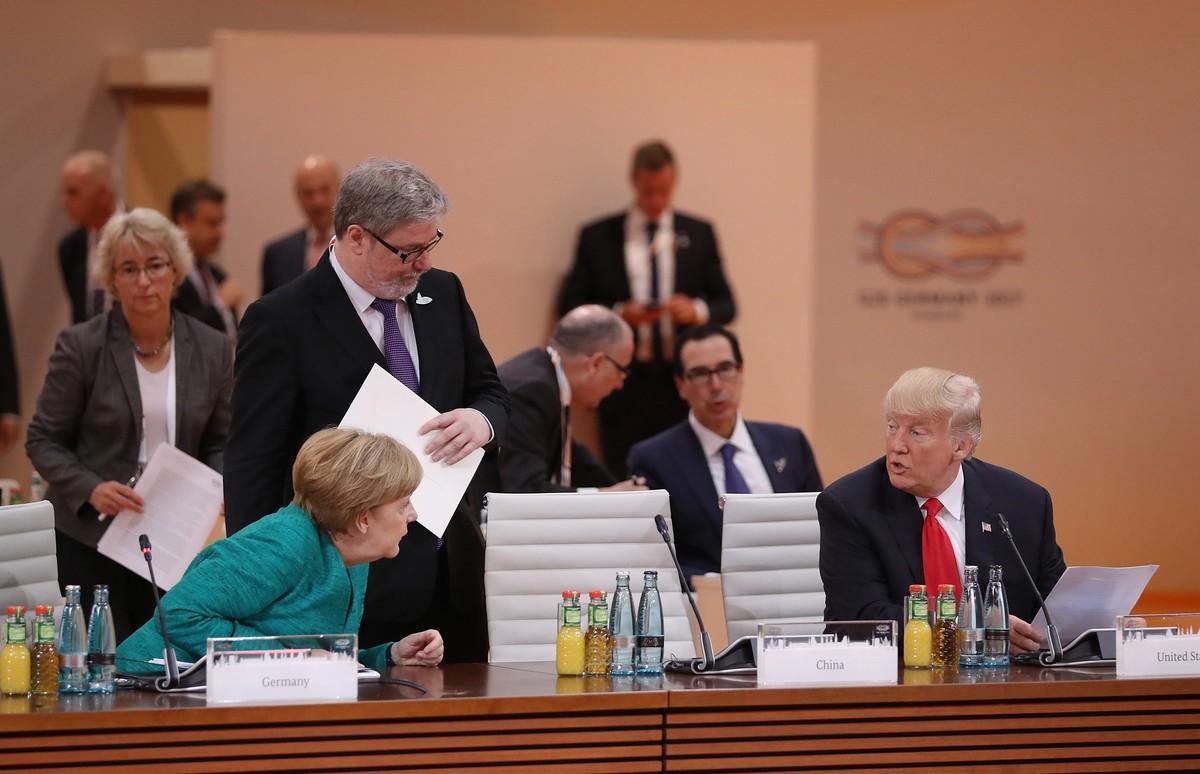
(280, 575)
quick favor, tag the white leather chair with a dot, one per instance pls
(28, 558)
(770, 553)
(541, 544)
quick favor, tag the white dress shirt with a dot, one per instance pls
(952, 519)
(372, 320)
(745, 458)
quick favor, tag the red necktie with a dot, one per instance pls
(936, 552)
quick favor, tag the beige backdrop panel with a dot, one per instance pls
(530, 137)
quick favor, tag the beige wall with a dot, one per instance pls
(1073, 117)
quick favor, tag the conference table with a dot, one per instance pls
(522, 717)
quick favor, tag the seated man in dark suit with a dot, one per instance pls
(210, 294)
(661, 270)
(285, 259)
(587, 359)
(877, 536)
(714, 451)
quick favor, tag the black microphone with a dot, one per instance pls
(709, 661)
(172, 678)
(1056, 652)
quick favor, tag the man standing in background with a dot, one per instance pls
(89, 195)
(210, 294)
(285, 259)
(661, 271)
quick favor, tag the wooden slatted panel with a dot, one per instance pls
(629, 741)
(1120, 731)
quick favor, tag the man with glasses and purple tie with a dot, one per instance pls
(304, 351)
(714, 451)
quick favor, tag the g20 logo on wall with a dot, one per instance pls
(962, 249)
(967, 244)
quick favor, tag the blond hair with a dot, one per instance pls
(140, 227)
(939, 394)
(339, 474)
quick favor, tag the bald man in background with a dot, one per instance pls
(317, 183)
(88, 191)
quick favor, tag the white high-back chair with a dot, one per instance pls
(28, 558)
(770, 554)
(541, 544)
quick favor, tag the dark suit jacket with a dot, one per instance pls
(532, 452)
(302, 355)
(674, 460)
(283, 260)
(10, 402)
(72, 262)
(871, 540)
(189, 301)
(598, 275)
(88, 425)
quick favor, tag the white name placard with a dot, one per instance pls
(271, 680)
(1159, 656)
(844, 662)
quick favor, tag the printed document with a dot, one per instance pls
(384, 405)
(1092, 598)
(182, 499)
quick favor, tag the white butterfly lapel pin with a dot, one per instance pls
(780, 464)
(422, 300)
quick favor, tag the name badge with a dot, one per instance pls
(828, 652)
(1158, 645)
(283, 669)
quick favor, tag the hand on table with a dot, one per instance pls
(1022, 637)
(635, 484)
(420, 649)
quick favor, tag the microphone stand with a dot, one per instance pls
(1055, 654)
(172, 668)
(708, 661)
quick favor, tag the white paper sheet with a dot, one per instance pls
(1092, 598)
(384, 405)
(182, 500)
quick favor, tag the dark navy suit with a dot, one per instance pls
(871, 539)
(283, 260)
(674, 460)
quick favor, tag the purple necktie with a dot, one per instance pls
(735, 483)
(399, 361)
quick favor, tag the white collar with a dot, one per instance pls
(360, 297)
(635, 223)
(952, 498)
(564, 386)
(711, 443)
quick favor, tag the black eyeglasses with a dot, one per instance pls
(411, 255)
(725, 371)
(625, 370)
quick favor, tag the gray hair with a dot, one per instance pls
(381, 194)
(140, 227)
(97, 166)
(588, 329)
(940, 394)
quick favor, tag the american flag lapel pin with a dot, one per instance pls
(987, 527)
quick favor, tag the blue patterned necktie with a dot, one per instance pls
(395, 352)
(734, 482)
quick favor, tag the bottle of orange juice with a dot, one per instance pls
(918, 636)
(569, 649)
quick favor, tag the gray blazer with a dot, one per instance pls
(88, 425)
